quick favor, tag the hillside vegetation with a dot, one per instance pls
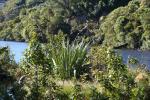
(19, 18)
(128, 25)
(125, 25)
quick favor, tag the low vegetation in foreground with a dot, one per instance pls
(63, 70)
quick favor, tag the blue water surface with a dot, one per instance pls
(16, 48)
(142, 56)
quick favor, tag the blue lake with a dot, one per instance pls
(17, 48)
(142, 56)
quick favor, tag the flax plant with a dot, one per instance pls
(70, 59)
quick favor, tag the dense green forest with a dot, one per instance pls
(70, 54)
(19, 18)
(123, 22)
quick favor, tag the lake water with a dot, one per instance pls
(1, 5)
(17, 48)
(142, 56)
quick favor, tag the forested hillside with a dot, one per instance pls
(19, 18)
(125, 25)
(128, 26)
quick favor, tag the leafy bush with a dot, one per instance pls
(63, 58)
(117, 80)
(8, 72)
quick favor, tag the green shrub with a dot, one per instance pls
(117, 80)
